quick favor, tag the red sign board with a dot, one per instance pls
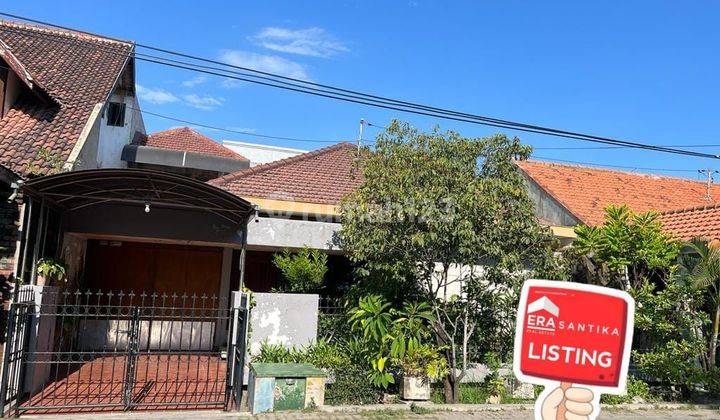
(575, 333)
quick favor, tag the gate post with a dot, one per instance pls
(237, 337)
(9, 340)
(130, 362)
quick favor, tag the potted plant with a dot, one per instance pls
(421, 364)
(50, 271)
(494, 383)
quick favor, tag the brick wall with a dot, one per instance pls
(9, 235)
(9, 225)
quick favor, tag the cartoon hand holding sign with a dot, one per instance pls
(575, 340)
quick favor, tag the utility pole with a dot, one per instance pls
(708, 186)
(359, 140)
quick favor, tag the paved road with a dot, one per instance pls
(492, 415)
(614, 414)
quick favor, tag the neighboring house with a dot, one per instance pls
(67, 102)
(259, 154)
(567, 195)
(297, 200)
(183, 151)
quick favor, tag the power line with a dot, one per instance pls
(331, 92)
(622, 147)
(213, 127)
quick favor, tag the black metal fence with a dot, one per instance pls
(96, 351)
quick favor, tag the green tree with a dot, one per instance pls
(626, 249)
(304, 270)
(432, 209)
(701, 269)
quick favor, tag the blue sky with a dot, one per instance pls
(637, 70)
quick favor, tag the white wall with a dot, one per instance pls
(12, 90)
(112, 139)
(266, 232)
(260, 153)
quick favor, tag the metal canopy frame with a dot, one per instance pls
(78, 189)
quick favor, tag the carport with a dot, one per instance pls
(146, 317)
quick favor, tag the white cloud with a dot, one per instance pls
(231, 83)
(314, 42)
(262, 62)
(205, 102)
(194, 81)
(155, 96)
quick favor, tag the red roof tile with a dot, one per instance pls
(186, 139)
(76, 70)
(322, 176)
(585, 192)
(693, 222)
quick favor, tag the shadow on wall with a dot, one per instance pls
(7, 283)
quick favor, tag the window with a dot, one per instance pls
(116, 114)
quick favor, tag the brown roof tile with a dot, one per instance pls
(585, 191)
(188, 140)
(322, 176)
(76, 70)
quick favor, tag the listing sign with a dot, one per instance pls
(576, 335)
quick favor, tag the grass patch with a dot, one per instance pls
(419, 409)
(469, 394)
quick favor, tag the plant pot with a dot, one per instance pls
(494, 399)
(40, 280)
(415, 388)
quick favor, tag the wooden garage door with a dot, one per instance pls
(113, 265)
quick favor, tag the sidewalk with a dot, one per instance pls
(400, 411)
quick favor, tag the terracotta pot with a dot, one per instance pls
(415, 388)
(40, 280)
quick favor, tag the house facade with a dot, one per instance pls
(566, 195)
(68, 102)
(183, 151)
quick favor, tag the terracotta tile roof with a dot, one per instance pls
(323, 176)
(585, 191)
(703, 221)
(186, 139)
(76, 70)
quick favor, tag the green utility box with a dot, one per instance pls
(284, 386)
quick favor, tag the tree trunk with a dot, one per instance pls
(714, 338)
(452, 389)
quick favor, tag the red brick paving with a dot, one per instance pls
(178, 381)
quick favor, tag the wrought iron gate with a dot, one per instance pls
(97, 351)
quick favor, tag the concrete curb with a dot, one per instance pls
(506, 407)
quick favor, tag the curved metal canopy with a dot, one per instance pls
(78, 189)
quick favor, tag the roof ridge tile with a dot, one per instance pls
(81, 35)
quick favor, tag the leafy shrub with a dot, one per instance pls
(351, 387)
(389, 334)
(304, 270)
(673, 364)
(334, 327)
(712, 382)
(636, 388)
(669, 349)
(422, 360)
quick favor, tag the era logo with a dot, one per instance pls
(541, 315)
